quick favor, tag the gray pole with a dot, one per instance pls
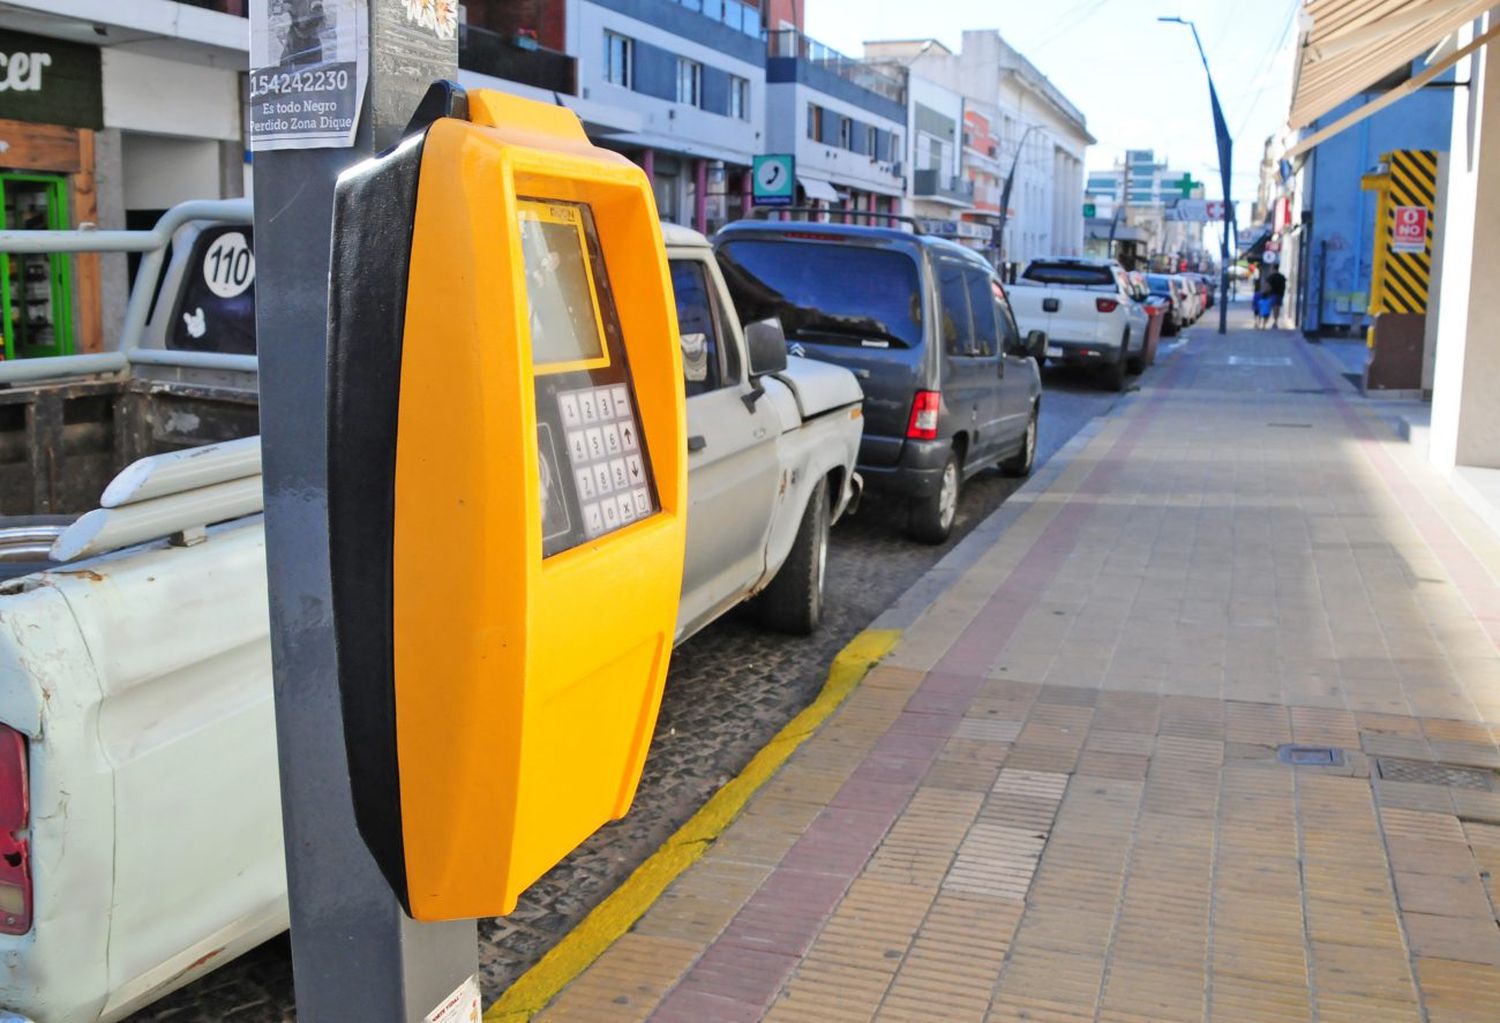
(355, 953)
(1009, 180)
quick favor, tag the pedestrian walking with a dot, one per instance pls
(1276, 286)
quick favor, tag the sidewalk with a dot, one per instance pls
(1060, 797)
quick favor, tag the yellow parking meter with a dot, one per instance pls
(507, 492)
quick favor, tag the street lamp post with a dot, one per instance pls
(1225, 146)
(1010, 180)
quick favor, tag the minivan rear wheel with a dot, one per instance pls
(930, 519)
(1021, 463)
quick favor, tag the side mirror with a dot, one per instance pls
(1036, 344)
(765, 342)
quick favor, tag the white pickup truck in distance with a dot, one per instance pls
(139, 794)
(1088, 310)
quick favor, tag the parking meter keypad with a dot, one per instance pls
(604, 453)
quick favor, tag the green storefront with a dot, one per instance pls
(50, 105)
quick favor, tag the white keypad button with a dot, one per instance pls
(602, 484)
(588, 407)
(619, 474)
(621, 400)
(586, 489)
(578, 448)
(627, 508)
(606, 406)
(611, 514)
(612, 439)
(628, 440)
(642, 498)
(635, 470)
(596, 442)
(569, 405)
(593, 519)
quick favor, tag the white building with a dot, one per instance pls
(1036, 131)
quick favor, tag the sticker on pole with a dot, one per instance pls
(308, 66)
(462, 1006)
(1409, 231)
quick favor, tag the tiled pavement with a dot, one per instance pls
(1060, 798)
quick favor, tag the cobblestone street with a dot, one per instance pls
(1207, 732)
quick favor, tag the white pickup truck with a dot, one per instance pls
(1088, 310)
(140, 821)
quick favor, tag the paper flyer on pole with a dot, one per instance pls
(309, 65)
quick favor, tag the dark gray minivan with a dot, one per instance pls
(951, 387)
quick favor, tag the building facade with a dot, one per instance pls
(1033, 138)
(1141, 191)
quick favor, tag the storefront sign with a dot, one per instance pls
(774, 179)
(1409, 232)
(48, 81)
(308, 66)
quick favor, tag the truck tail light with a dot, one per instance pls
(1106, 305)
(15, 852)
(924, 416)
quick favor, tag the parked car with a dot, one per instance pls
(1165, 287)
(1088, 312)
(772, 443)
(951, 385)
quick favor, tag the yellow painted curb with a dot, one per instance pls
(626, 904)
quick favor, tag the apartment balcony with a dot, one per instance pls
(741, 17)
(791, 44)
(516, 59)
(934, 184)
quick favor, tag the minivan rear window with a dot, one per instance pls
(850, 294)
(1069, 273)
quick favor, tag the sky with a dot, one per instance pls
(1139, 82)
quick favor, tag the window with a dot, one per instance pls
(1010, 334)
(872, 140)
(619, 60)
(957, 326)
(846, 133)
(689, 82)
(826, 292)
(739, 97)
(896, 154)
(814, 122)
(697, 327)
(984, 339)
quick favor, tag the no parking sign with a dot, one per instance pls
(1409, 229)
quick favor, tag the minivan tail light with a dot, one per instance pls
(15, 817)
(924, 416)
(1106, 305)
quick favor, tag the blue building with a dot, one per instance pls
(1336, 245)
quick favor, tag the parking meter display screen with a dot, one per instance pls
(595, 471)
(564, 315)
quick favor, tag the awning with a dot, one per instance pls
(1348, 46)
(818, 189)
(1256, 248)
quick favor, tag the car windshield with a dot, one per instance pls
(826, 291)
(1160, 285)
(1068, 273)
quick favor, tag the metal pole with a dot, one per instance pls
(1226, 148)
(355, 953)
(1009, 180)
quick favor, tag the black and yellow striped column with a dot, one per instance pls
(1399, 280)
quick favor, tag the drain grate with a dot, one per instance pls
(1291, 426)
(1422, 772)
(1311, 756)
(1307, 390)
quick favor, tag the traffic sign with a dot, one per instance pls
(774, 179)
(1409, 229)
